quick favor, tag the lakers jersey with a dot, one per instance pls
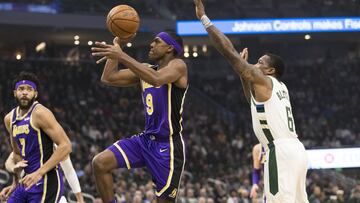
(262, 156)
(35, 146)
(273, 119)
(163, 107)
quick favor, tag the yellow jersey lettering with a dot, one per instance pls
(146, 85)
(23, 129)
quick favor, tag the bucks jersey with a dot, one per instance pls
(273, 119)
(274, 126)
(262, 155)
(163, 109)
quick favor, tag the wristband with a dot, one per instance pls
(256, 176)
(206, 21)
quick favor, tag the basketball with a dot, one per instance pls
(123, 21)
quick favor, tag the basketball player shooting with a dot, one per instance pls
(160, 147)
(272, 117)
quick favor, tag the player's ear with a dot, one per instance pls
(171, 49)
(14, 93)
(36, 94)
(271, 71)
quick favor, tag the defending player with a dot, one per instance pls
(273, 123)
(159, 147)
(33, 131)
(66, 166)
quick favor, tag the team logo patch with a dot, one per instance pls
(173, 193)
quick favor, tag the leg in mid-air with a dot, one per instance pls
(103, 164)
(125, 153)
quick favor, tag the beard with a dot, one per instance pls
(25, 104)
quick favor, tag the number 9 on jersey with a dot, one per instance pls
(149, 104)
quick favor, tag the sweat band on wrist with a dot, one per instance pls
(206, 21)
(256, 176)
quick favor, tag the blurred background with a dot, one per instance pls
(52, 38)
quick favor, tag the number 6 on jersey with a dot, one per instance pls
(290, 119)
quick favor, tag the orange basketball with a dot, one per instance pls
(123, 21)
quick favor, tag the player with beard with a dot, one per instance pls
(33, 132)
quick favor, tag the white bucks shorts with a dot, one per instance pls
(285, 172)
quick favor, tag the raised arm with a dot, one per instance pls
(245, 84)
(172, 72)
(113, 77)
(44, 119)
(120, 78)
(245, 70)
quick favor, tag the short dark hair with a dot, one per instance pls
(176, 37)
(277, 63)
(23, 75)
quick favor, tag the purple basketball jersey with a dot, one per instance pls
(163, 109)
(36, 147)
(160, 147)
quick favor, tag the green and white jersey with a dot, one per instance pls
(273, 118)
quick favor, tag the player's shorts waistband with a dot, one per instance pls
(281, 141)
(160, 138)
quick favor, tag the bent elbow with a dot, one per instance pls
(104, 81)
(68, 148)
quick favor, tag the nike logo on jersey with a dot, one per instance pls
(163, 150)
(27, 118)
(37, 184)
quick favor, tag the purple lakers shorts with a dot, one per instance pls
(48, 190)
(164, 158)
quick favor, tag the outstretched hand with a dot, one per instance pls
(245, 54)
(199, 7)
(107, 51)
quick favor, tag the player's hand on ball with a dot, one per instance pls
(6, 192)
(200, 10)
(29, 180)
(253, 192)
(245, 54)
(107, 51)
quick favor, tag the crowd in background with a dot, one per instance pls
(183, 10)
(324, 93)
